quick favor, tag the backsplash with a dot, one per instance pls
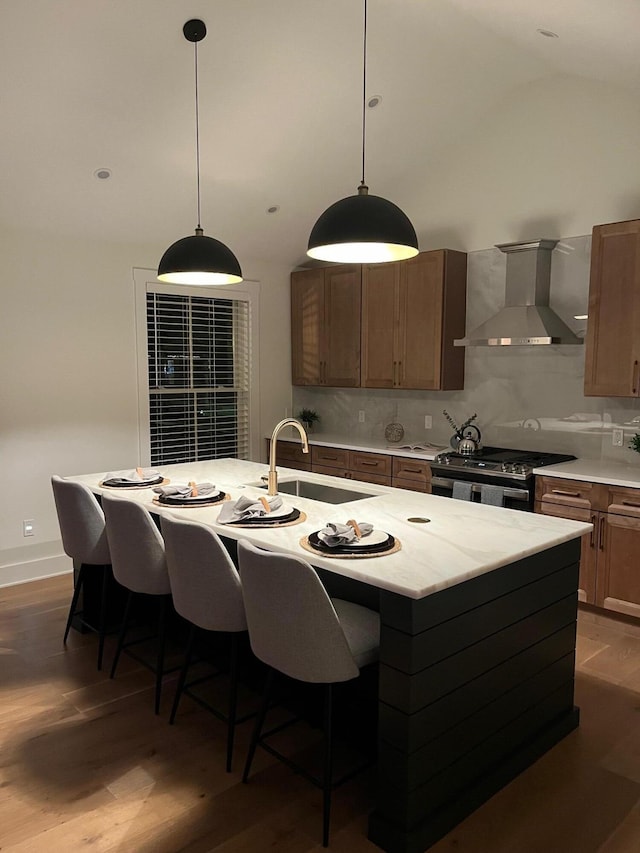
(525, 397)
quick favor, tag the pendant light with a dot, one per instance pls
(198, 259)
(363, 228)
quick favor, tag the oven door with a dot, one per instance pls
(515, 497)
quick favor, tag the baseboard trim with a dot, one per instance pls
(34, 570)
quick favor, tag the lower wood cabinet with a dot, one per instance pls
(380, 468)
(609, 569)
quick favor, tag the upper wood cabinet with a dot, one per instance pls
(613, 330)
(325, 326)
(411, 313)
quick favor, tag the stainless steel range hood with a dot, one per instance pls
(526, 319)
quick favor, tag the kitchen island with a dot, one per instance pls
(478, 615)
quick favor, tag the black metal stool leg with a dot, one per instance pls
(183, 672)
(74, 602)
(103, 615)
(233, 698)
(122, 634)
(258, 726)
(326, 780)
(162, 636)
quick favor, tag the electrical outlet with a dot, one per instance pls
(618, 437)
(428, 422)
(28, 527)
(361, 416)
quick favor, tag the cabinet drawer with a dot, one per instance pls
(411, 469)
(288, 453)
(370, 463)
(413, 485)
(552, 490)
(624, 501)
(330, 471)
(370, 477)
(332, 457)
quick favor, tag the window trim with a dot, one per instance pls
(146, 280)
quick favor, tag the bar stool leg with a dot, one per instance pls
(233, 698)
(162, 636)
(102, 628)
(74, 602)
(122, 634)
(258, 726)
(326, 781)
(188, 654)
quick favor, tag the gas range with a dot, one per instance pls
(497, 463)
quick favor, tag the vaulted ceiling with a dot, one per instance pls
(109, 84)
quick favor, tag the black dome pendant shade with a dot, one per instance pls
(198, 259)
(363, 228)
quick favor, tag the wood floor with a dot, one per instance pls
(85, 764)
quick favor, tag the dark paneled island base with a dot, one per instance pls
(476, 683)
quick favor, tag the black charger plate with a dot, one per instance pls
(143, 484)
(378, 548)
(200, 500)
(265, 521)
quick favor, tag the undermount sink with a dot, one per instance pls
(317, 491)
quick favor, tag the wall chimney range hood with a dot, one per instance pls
(526, 319)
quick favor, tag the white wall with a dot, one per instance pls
(68, 393)
(554, 161)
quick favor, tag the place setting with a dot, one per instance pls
(351, 540)
(190, 494)
(260, 512)
(139, 478)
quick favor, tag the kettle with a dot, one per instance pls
(470, 440)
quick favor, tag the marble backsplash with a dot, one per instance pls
(525, 397)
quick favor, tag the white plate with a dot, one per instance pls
(376, 537)
(285, 509)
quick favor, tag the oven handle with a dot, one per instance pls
(516, 494)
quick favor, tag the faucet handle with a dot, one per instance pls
(264, 478)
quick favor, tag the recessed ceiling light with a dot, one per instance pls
(273, 209)
(374, 101)
(102, 174)
(549, 34)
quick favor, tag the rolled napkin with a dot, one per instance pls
(334, 535)
(246, 507)
(140, 475)
(189, 490)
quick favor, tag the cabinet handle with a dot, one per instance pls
(563, 492)
(372, 464)
(332, 458)
(630, 503)
(635, 377)
(593, 531)
(400, 376)
(602, 523)
(413, 470)
(394, 381)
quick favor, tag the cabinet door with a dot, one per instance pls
(420, 321)
(613, 328)
(307, 326)
(380, 288)
(341, 342)
(588, 552)
(619, 589)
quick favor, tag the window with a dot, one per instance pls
(197, 366)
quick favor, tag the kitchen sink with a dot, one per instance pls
(317, 491)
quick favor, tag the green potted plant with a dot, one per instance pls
(634, 444)
(308, 418)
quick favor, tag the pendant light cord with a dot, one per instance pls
(364, 90)
(195, 44)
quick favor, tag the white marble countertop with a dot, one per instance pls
(461, 540)
(595, 471)
(371, 445)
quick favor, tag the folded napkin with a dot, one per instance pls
(334, 535)
(140, 475)
(246, 507)
(189, 490)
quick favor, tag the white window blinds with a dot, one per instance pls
(198, 371)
